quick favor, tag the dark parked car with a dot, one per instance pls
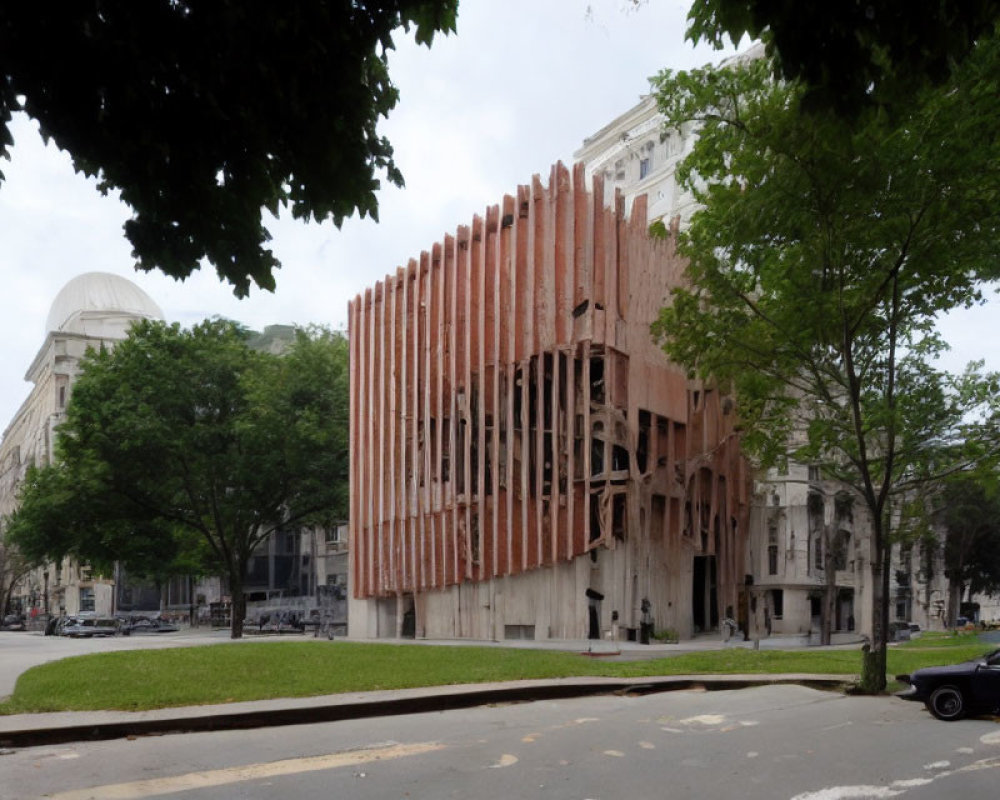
(13, 622)
(899, 631)
(951, 693)
(130, 625)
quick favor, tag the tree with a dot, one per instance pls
(13, 567)
(184, 441)
(66, 512)
(969, 510)
(819, 258)
(853, 54)
(203, 113)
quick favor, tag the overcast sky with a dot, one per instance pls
(519, 87)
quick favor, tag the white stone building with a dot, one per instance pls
(96, 310)
(93, 310)
(636, 156)
(809, 539)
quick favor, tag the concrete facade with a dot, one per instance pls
(525, 462)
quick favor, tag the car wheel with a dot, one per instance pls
(947, 703)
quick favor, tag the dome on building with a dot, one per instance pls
(100, 304)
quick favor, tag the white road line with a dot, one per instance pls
(220, 777)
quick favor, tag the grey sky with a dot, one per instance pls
(518, 88)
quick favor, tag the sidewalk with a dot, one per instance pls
(29, 730)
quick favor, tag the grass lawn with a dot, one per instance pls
(144, 679)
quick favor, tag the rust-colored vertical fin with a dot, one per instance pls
(583, 249)
(563, 244)
(356, 552)
(439, 355)
(367, 400)
(373, 549)
(507, 326)
(602, 240)
(484, 408)
(524, 284)
(390, 421)
(451, 273)
(614, 306)
(417, 378)
(404, 499)
(380, 444)
(493, 365)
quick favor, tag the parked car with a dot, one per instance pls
(13, 622)
(141, 625)
(85, 627)
(899, 631)
(953, 692)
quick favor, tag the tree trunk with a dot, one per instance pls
(955, 589)
(830, 592)
(8, 592)
(238, 607)
(873, 664)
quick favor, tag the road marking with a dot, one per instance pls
(703, 719)
(506, 760)
(895, 788)
(249, 772)
(845, 792)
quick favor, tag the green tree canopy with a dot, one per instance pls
(185, 447)
(969, 510)
(204, 112)
(853, 54)
(820, 256)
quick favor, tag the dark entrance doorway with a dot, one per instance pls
(704, 595)
(409, 630)
(594, 599)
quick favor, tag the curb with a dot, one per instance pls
(190, 720)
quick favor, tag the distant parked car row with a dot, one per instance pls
(12, 622)
(89, 626)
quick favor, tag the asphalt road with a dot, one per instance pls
(764, 743)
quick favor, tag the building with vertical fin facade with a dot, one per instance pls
(525, 461)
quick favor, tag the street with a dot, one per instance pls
(766, 743)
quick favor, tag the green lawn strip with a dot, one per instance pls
(145, 679)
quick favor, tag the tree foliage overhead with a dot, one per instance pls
(856, 52)
(189, 447)
(204, 112)
(820, 257)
